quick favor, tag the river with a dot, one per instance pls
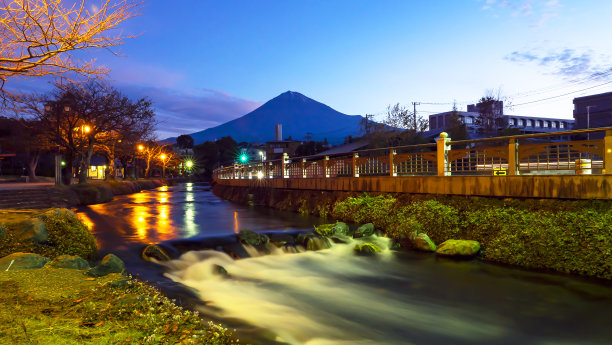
(332, 296)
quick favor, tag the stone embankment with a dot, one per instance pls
(566, 236)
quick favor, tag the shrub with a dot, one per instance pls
(68, 235)
(366, 209)
(440, 222)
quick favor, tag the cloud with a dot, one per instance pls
(567, 62)
(183, 112)
(537, 12)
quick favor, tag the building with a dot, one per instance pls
(593, 111)
(526, 124)
(275, 149)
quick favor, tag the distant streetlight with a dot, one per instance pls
(163, 158)
(189, 164)
(244, 158)
(140, 147)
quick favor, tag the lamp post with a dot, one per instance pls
(140, 148)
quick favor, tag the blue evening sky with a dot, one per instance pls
(207, 62)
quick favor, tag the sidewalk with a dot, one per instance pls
(22, 185)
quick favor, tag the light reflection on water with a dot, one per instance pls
(180, 212)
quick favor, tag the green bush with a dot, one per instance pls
(440, 222)
(565, 236)
(366, 209)
(68, 235)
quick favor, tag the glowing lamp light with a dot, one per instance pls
(243, 158)
(63, 163)
(140, 147)
(260, 175)
(189, 164)
(86, 129)
(162, 156)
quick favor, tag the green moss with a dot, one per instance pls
(70, 309)
(66, 235)
(565, 236)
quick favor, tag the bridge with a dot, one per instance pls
(569, 165)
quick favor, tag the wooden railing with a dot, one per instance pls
(565, 152)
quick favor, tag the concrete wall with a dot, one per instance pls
(561, 187)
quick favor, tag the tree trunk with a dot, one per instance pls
(32, 163)
(67, 171)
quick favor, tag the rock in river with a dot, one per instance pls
(423, 243)
(458, 248)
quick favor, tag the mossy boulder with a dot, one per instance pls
(252, 238)
(68, 261)
(325, 229)
(68, 235)
(32, 229)
(317, 243)
(366, 249)
(153, 251)
(341, 228)
(22, 261)
(364, 230)
(109, 264)
(423, 243)
(464, 248)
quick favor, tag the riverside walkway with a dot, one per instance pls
(569, 165)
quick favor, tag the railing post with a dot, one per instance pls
(513, 157)
(392, 163)
(607, 169)
(442, 154)
(235, 172)
(355, 172)
(303, 167)
(325, 173)
(270, 170)
(285, 169)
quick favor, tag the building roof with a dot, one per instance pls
(346, 148)
(599, 95)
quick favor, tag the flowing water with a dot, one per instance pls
(333, 296)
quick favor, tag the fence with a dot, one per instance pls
(558, 153)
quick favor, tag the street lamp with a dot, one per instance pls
(163, 158)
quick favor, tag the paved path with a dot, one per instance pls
(22, 185)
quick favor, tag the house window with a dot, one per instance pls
(469, 120)
(562, 125)
(529, 123)
(546, 124)
(523, 122)
(553, 124)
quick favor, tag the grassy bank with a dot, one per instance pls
(63, 306)
(554, 235)
(66, 306)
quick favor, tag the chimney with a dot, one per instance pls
(278, 132)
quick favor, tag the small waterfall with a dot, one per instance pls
(329, 296)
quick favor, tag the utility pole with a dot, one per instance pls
(588, 108)
(414, 114)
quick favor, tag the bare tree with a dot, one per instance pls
(38, 37)
(490, 113)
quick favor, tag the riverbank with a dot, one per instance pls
(50, 295)
(566, 236)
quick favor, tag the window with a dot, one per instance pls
(538, 123)
(469, 120)
(553, 124)
(529, 123)
(546, 124)
(523, 122)
(562, 125)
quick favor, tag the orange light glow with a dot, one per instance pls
(140, 147)
(236, 222)
(86, 129)
(162, 156)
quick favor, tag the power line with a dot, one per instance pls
(565, 94)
